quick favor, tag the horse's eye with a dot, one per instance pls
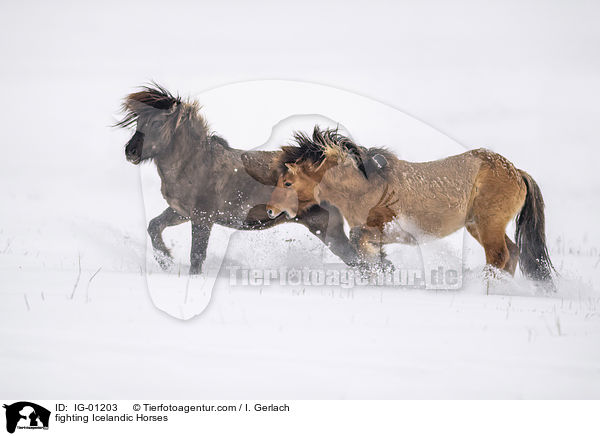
(155, 124)
(287, 184)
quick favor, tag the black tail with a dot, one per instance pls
(530, 235)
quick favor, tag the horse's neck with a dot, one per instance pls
(341, 188)
(178, 164)
(171, 166)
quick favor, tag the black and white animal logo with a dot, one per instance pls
(26, 415)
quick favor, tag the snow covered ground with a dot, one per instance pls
(77, 320)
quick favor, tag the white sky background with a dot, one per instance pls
(520, 77)
(487, 73)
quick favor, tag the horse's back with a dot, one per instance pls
(439, 195)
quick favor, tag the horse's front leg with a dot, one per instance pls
(368, 243)
(200, 234)
(328, 226)
(155, 228)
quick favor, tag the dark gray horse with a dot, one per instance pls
(206, 181)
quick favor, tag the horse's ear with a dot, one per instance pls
(323, 166)
(289, 150)
(174, 107)
(327, 163)
(292, 167)
(260, 166)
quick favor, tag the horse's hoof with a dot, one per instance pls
(545, 287)
(386, 267)
(165, 262)
(376, 266)
(195, 270)
(364, 269)
(494, 277)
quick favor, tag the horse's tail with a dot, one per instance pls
(530, 235)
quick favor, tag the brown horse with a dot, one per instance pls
(388, 200)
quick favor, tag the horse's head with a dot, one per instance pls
(156, 114)
(295, 191)
(302, 167)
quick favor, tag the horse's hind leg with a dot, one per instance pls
(499, 195)
(496, 251)
(513, 252)
(499, 249)
(155, 228)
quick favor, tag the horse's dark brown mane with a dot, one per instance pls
(183, 116)
(314, 149)
(149, 98)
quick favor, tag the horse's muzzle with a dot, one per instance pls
(272, 214)
(133, 149)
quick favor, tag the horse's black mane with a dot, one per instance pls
(314, 149)
(149, 98)
(184, 116)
